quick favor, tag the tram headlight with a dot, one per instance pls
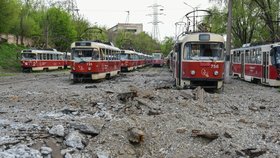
(89, 68)
(193, 72)
(216, 73)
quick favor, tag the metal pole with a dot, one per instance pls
(193, 19)
(228, 42)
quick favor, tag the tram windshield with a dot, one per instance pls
(84, 55)
(156, 56)
(276, 55)
(207, 51)
(28, 56)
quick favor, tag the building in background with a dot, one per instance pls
(128, 27)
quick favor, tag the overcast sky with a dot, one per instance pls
(110, 12)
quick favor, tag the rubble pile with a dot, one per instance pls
(138, 114)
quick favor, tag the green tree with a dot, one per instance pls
(61, 29)
(9, 11)
(270, 15)
(167, 45)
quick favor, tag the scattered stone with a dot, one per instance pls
(154, 112)
(262, 107)
(253, 108)
(207, 135)
(68, 111)
(8, 141)
(253, 152)
(86, 129)
(68, 155)
(135, 135)
(227, 135)
(243, 121)
(93, 86)
(109, 92)
(127, 96)
(57, 130)
(74, 140)
(20, 151)
(163, 87)
(27, 121)
(181, 130)
(263, 125)
(46, 150)
(198, 94)
(102, 154)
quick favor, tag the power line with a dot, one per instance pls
(157, 11)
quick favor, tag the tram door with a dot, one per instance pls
(242, 63)
(265, 59)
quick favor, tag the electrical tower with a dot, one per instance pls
(156, 13)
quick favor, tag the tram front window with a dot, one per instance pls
(209, 51)
(84, 55)
(28, 56)
(275, 56)
(156, 56)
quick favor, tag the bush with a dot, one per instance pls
(9, 57)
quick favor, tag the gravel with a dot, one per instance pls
(95, 119)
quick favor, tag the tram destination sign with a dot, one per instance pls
(204, 37)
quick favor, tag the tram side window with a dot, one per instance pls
(258, 56)
(95, 54)
(253, 56)
(247, 56)
(39, 56)
(44, 56)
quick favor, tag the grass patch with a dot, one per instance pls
(10, 57)
(6, 75)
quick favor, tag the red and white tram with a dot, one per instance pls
(128, 60)
(199, 61)
(38, 60)
(158, 59)
(94, 60)
(260, 64)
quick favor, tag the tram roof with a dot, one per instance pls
(265, 46)
(129, 52)
(93, 44)
(41, 51)
(201, 37)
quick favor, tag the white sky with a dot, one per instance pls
(110, 12)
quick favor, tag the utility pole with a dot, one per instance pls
(228, 42)
(155, 31)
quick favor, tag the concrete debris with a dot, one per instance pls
(135, 135)
(54, 118)
(46, 150)
(127, 96)
(181, 130)
(198, 94)
(86, 129)
(20, 151)
(74, 140)
(207, 135)
(57, 130)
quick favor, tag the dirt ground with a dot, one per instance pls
(135, 115)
